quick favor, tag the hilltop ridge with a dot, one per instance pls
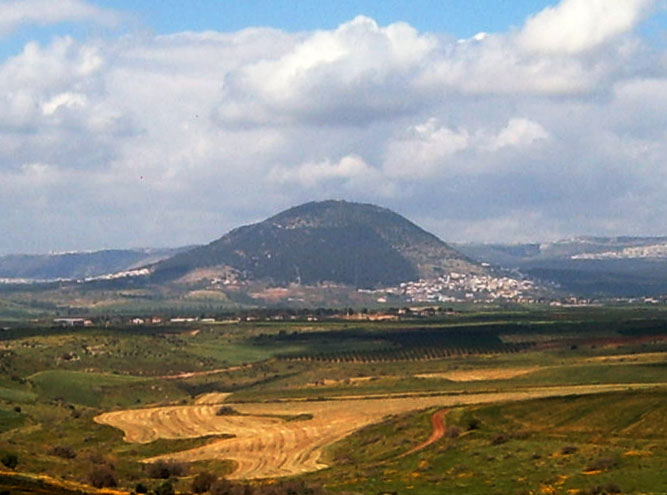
(360, 245)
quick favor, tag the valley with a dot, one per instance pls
(343, 406)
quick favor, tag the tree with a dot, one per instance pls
(103, 476)
(203, 481)
(10, 460)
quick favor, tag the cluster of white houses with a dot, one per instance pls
(462, 287)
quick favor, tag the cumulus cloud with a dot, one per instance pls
(174, 139)
(330, 77)
(17, 13)
(350, 169)
(430, 149)
(518, 133)
(576, 26)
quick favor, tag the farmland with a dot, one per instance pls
(536, 401)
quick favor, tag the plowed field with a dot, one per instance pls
(265, 446)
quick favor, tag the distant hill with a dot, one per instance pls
(79, 265)
(586, 266)
(361, 245)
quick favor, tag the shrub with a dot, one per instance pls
(141, 488)
(473, 424)
(608, 489)
(222, 487)
(102, 476)
(453, 432)
(225, 411)
(9, 460)
(568, 449)
(63, 451)
(203, 481)
(602, 464)
(166, 469)
(165, 488)
(499, 439)
(97, 458)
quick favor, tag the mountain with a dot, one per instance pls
(79, 265)
(361, 245)
(586, 266)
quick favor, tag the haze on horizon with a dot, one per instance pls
(161, 125)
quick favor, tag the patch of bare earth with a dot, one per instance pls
(265, 446)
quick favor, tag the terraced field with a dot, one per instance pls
(264, 445)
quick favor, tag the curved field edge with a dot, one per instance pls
(263, 449)
(557, 445)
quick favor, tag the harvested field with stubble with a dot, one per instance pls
(480, 374)
(265, 445)
(174, 422)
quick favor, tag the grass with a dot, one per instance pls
(78, 387)
(10, 419)
(518, 448)
(61, 379)
(16, 395)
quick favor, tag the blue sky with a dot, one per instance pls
(167, 124)
(458, 17)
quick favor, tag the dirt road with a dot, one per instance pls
(438, 424)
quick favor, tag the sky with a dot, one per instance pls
(167, 123)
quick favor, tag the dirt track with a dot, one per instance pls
(438, 424)
(271, 447)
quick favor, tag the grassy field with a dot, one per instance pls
(556, 445)
(54, 382)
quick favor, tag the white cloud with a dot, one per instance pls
(575, 26)
(430, 149)
(424, 149)
(349, 169)
(330, 77)
(16, 13)
(518, 133)
(63, 100)
(174, 139)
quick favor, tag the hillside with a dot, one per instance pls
(78, 265)
(355, 244)
(586, 266)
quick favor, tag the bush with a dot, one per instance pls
(222, 487)
(602, 464)
(102, 476)
(166, 469)
(453, 432)
(9, 460)
(499, 439)
(203, 481)
(97, 458)
(141, 488)
(568, 449)
(226, 411)
(473, 424)
(166, 488)
(63, 451)
(608, 489)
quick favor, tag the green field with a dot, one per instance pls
(54, 381)
(541, 446)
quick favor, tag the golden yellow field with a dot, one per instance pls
(265, 445)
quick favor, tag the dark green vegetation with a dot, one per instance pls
(54, 381)
(331, 241)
